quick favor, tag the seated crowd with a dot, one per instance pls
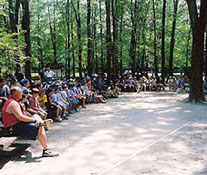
(29, 107)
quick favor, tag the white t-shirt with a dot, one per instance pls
(50, 73)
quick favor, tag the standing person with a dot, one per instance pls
(19, 75)
(49, 75)
(15, 118)
(42, 75)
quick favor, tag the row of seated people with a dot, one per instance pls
(26, 107)
(179, 84)
(134, 84)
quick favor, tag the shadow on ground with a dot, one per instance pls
(104, 134)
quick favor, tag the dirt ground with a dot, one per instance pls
(151, 133)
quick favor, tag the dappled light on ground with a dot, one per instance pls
(95, 139)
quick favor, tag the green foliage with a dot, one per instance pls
(10, 48)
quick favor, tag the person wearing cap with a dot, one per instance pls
(16, 119)
(13, 82)
(33, 101)
(52, 107)
(71, 97)
(65, 97)
(4, 92)
(56, 99)
(25, 85)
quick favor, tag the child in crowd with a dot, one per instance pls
(54, 109)
(71, 97)
(33, 101)
(97, 98)
(42, 99)
(56, 99)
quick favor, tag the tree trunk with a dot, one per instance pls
(120, 41)
(101, 35)
(115, 38)
(39, 47)
(163, 40)
(198, 24)
(89, 51)
(172, 43)
(11, 17)
(133, 39)
(143, 67)
(79, 40)
(108, 39)
(26, 28)
(155, 39)
(95, 42)
(72, 45)
(53, 33)
(206, 57)
(68, 39)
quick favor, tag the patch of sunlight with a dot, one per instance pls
(187, 111)
(163, 123)
(148, 136)
(166, 119)
(170, 110)
(199, 125)
(141, 130)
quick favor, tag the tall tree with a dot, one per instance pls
(198, 24)
(163, 40)
(101, 36)
(78, 21)
(172, 43)
(39, 46)
(26, 28)
(206, 57)
(155, 38)
(53, 31)
(89, 51)
(133, 37)
(121, 40)
(114, 10)
(68, 39)
(108, 39)
(95, 52)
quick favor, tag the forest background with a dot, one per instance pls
(145, 36)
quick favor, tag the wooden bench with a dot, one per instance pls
(5, 139)
(6, 142)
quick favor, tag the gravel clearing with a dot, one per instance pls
(150, 133)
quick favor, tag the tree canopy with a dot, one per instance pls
(146, 36)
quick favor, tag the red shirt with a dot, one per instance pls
(8, 118)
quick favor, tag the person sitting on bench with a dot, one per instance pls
(15, 118)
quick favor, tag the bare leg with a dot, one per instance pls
(42, 138)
